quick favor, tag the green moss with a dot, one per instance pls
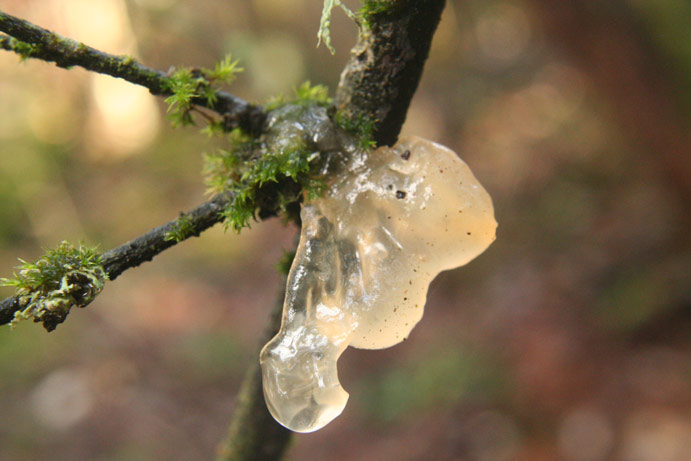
(224, 71)
(184, 87)
(372, 8)
(124, 61)
(183, 229)
(187, 85)
(64, 277)
(23, 49)
(289, 164)
(283, 265)
(308, 94)
(305, 94)
(361, 126)
(272, 172)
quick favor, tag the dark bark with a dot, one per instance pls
(386, 65)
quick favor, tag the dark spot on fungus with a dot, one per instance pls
(468, 233)
(389, 187)
(405, 155)
(400, 194)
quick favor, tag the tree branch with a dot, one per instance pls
(32, 41)
(145, 247)
(386, 65)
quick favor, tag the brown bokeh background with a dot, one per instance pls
(568, 339)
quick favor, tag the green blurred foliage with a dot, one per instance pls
(439, 378)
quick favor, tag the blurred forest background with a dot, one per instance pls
(570, 338)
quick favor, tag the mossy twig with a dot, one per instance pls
(135, 252)
(31, 41)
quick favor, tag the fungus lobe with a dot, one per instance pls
(366, 257)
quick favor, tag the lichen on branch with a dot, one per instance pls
(63, 277)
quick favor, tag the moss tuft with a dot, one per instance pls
(183, 229)
(64, 277)
(187, 85)
(305, 94)
(273, 172)
(283, 265)
(23, 49)
(362, 127)
(372, 8)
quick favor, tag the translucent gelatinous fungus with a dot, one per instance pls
(368, 251)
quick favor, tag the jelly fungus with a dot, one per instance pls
(369, 248)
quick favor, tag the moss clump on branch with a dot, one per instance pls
(249, 169)
(183, 229)
(23, 49)
(361, 126)
(371, 8)
(188, 85)
(64, 277)
(270, 174)
(305, 94)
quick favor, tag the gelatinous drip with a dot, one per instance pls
(368, 251)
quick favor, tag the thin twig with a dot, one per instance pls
(145, 247)
(66, 53)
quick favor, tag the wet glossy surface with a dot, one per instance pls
(368, 251)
